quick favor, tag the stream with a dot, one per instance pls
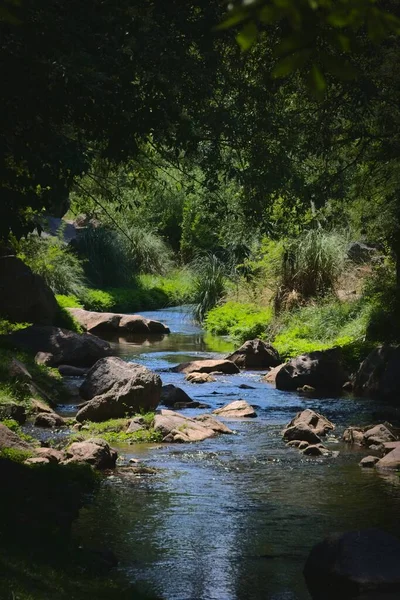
(234, 517)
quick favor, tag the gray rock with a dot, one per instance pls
(236, 409)
(255, 354)
(378, 375)
(66, 346)
(70, 371)
(9, 439)
(321, 370)
(95, 452)
(12, 410)
(171, 395)
(97, 322)
(226, 367)
(116, 389)
(315, 421)
(302, 432)
(176, 428)
(49, 420)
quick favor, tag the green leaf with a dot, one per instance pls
(237, 16)
(247, 36)
(287, 65)
(317, 82)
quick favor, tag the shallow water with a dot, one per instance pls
(233, 518)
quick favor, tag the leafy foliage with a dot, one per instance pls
(239, 321)
(209, 283)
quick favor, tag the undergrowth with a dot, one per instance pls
(239, 321)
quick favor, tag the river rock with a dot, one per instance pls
(224, 366)
(37, 460)
(378, 435)
(12, 410)
(315, 450)
(390, 460)
(321, 370)
(66, 347)
(98, 322)
(270, 377)
(24, 297)
(115, 389)
(70, 371)
(176, 428)
(317, 422)
(49, 419)
(136, 424)
(368, 462)
(171, 395)
(378, 374)
(237, 409)
(255, 354)
(38, 406)
(389, 446)
(9, 439)
(353, 435)
(302, 432)
(199, 378)
(95, 452)
(52, 455)
(349, 564)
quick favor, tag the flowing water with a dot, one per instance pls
(234, 517)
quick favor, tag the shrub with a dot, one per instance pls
(68, 301)
(239, 321)
(55, 262)
(209, 284)
(310, 266)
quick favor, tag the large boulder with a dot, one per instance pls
(301, 432)
(321, 370)
(350, 564)
(224, 366)
(174, 427)
(64, 346)
(255, 354)
(97, 322)
(378, 375)
(376, 435)
(9, 439)
(95, 452)
(390, 460)
(24, 297)
(237, 409)
(116, 389)
(12, 410)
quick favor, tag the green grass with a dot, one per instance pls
(114, 431)
(7, 327)
(239, 321)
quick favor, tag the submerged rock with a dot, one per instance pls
(200, 378)
(227, 367)
(255, 354)
(115, 389)
(350, 564)
(368, 462)
(66, 347)
(236, 409)
(322, 370)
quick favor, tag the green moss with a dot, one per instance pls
(239, 321)
(114, 431)
(15, 455)
(7, 327)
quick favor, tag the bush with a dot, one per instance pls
(310, 266)
(209, 284)
(68, 301)
(239, 321)
(55, 262)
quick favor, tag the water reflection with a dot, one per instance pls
(233, 518)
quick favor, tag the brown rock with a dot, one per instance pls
(116, 389)
(66, 346)
(45, 358)
(378, 373)
(255, 354)
(70, 371)
(95, 452)
(390, 461)
(296, 444)
(97, 322)
(378, 435)
(24, 297)
(270, 377)
(302, 445)
(9, 439)
(38, 406)
(52, 455)
(177, 428)
(49, 420)
(313, 450)
(18, 370)
(199, 378)
(317, 422)
(213, 423)
(136, 424)
(354, 435)
(301, 432)
(389, 446)
(37, 460)
(237, 409)
(226, 367)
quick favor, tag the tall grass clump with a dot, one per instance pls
(209, 284)
(148, 252)
(107, 261)
(311, 266)
(55, 261)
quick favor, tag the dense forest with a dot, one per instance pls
(239, 159)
